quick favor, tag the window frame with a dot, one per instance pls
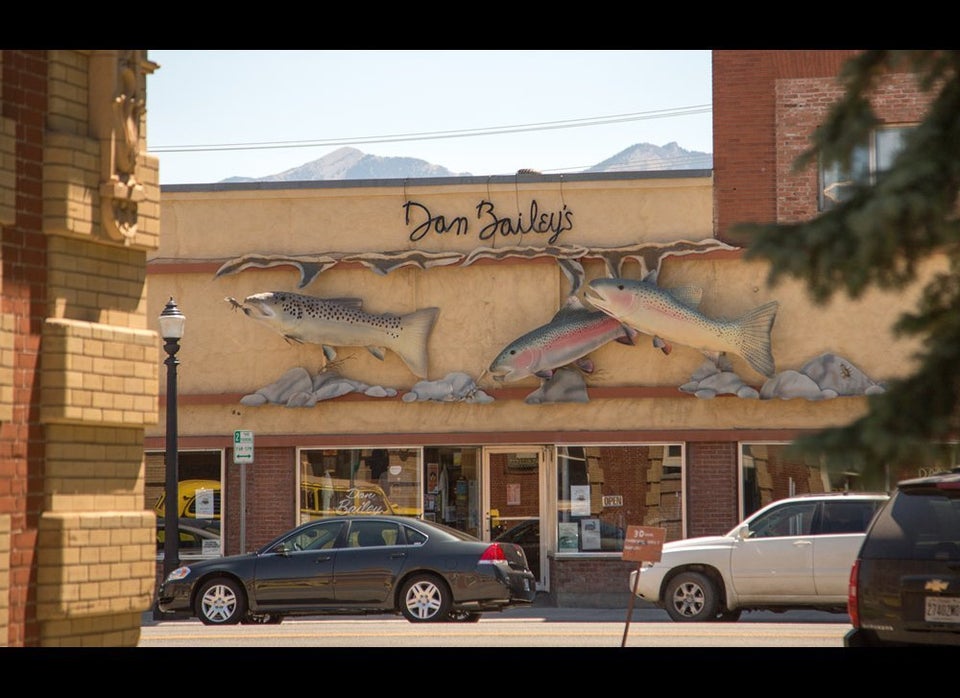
(867, 160)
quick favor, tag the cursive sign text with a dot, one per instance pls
(492, 224)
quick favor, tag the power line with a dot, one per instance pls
(435, 135)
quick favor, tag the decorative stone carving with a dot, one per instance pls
(120, 191)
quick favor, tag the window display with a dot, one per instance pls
(603, 489)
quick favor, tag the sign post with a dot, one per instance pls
(243, 454)
(642, 544)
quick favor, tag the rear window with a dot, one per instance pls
(848, 515)
(922, 525)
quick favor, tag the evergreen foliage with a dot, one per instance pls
(877, 238)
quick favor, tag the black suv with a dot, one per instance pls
(905, 582)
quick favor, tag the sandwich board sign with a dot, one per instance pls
(243, 446)
(644, 543)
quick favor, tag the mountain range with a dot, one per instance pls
(350, 163)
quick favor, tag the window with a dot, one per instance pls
(603, 489)
(359, 481)
(837, 183)
(769, 471)
(199, 505)
(794, 519)
(845, 516)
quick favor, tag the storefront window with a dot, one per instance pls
(450, 484)
(359, 481)
(198, 505)
(769, 472)
(603, 489)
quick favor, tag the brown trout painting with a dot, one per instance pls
(341, 322)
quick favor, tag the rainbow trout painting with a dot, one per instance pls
(574, 332)
(332, 322)
(656, 311)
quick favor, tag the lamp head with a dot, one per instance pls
(171, 321)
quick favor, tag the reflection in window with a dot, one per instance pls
(788, 520)
(837, 183)
(769, 472)
(199, 505)
(359, 481)
(603, 489)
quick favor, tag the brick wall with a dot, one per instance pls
(801, 106)
(745, 119)
(23, 261)
(712, 483)
(270, 498)
(83, 367)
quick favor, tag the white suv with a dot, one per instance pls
(793, 553)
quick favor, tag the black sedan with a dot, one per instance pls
(355, 565)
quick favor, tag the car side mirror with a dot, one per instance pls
(743, 532)
(283, 548)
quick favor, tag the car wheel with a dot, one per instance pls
(424, 598)
(221, 601)
(463, 617)
(691, 596)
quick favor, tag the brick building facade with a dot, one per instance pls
(79, 208)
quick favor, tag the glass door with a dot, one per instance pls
(513, 486)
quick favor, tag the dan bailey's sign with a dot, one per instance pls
(488, 223)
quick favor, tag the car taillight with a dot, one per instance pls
(493, 553)
(852, 609)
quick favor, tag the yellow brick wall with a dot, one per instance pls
(98, 374)
(97, 282)
(96, 556)
(95, 577)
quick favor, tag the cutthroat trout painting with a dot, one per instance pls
(341, 322)
(653, 310)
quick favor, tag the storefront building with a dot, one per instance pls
(431, 347)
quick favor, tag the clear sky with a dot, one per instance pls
(481, 112)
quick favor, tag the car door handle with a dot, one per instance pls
(323, 558)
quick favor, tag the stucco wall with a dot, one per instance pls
(483, 306)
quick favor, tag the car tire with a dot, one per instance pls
(221, 601)
(691, 597)
(463, 617)
(425, 599)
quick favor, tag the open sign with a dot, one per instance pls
(644, 543)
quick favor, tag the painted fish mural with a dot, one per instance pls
(574, 332)
(332, 322)
(659, 312)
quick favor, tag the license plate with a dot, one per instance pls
(942, 610)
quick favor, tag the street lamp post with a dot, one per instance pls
(171, 329)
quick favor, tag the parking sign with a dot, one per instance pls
(242, 446)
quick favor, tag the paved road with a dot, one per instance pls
(534, 627)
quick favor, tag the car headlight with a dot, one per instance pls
(178, 573)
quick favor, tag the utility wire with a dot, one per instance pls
(435, 135)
